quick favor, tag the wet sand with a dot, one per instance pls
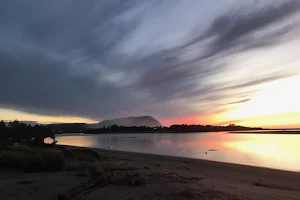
(175, 178)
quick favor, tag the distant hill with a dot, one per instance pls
(31, 123)
(143, 124)
(69, 127)
(128, 121)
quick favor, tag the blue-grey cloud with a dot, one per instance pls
(91, 59)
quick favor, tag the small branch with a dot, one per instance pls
(173, 173)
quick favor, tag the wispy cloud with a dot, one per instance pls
(94, 58)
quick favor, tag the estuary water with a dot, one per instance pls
(278, 151)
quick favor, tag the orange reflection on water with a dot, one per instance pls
(265, 150)
(79, 141)
(204, 144)
(268, 150)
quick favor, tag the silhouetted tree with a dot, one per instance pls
(2, 126)
(16, 132)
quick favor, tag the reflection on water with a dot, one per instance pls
(272, 151)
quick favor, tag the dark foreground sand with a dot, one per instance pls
(164, 178)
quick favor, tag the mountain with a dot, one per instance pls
(128, 121)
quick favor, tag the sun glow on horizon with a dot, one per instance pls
(275, 104)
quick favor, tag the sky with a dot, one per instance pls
(192, 61)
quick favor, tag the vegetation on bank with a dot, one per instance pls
(22, 148)
(21, 133)
(144, 129)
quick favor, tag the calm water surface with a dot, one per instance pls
(266, 150)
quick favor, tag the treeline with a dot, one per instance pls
(16, 132)
(68, 127)
(209, 128)
(125, 129)
(172, 129)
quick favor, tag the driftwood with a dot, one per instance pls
(79, 189)
(173, 173)
(102, 179)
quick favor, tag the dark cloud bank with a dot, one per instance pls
(64, 58)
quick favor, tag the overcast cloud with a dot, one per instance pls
(168, 58)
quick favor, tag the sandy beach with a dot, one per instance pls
(154, 177)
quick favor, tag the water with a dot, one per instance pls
(272, 151)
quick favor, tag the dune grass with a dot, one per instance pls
(31, 159)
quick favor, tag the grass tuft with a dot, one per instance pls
(81, 155)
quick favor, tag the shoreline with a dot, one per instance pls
(236, 179)
(263, 131)
(239, 180)
(160, 156)
(179, 178)
(266, 132)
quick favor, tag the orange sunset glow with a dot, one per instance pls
(274, 105)
(179, 69)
